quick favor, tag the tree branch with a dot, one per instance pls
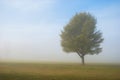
(79, 54)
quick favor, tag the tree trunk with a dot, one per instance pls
(82, 58)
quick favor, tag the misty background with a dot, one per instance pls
(30, 29)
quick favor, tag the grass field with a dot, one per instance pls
(44, 71)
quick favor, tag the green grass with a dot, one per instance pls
(31, 71)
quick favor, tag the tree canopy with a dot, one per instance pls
(80, 35)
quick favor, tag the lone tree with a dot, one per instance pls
(81, 36)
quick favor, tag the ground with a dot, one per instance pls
(58, 71)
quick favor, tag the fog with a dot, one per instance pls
(30, 30)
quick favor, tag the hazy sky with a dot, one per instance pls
(30, 29)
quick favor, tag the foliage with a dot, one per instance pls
(80, 35)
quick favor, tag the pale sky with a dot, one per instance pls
(30, 29)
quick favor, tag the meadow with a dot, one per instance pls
(58, 71)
